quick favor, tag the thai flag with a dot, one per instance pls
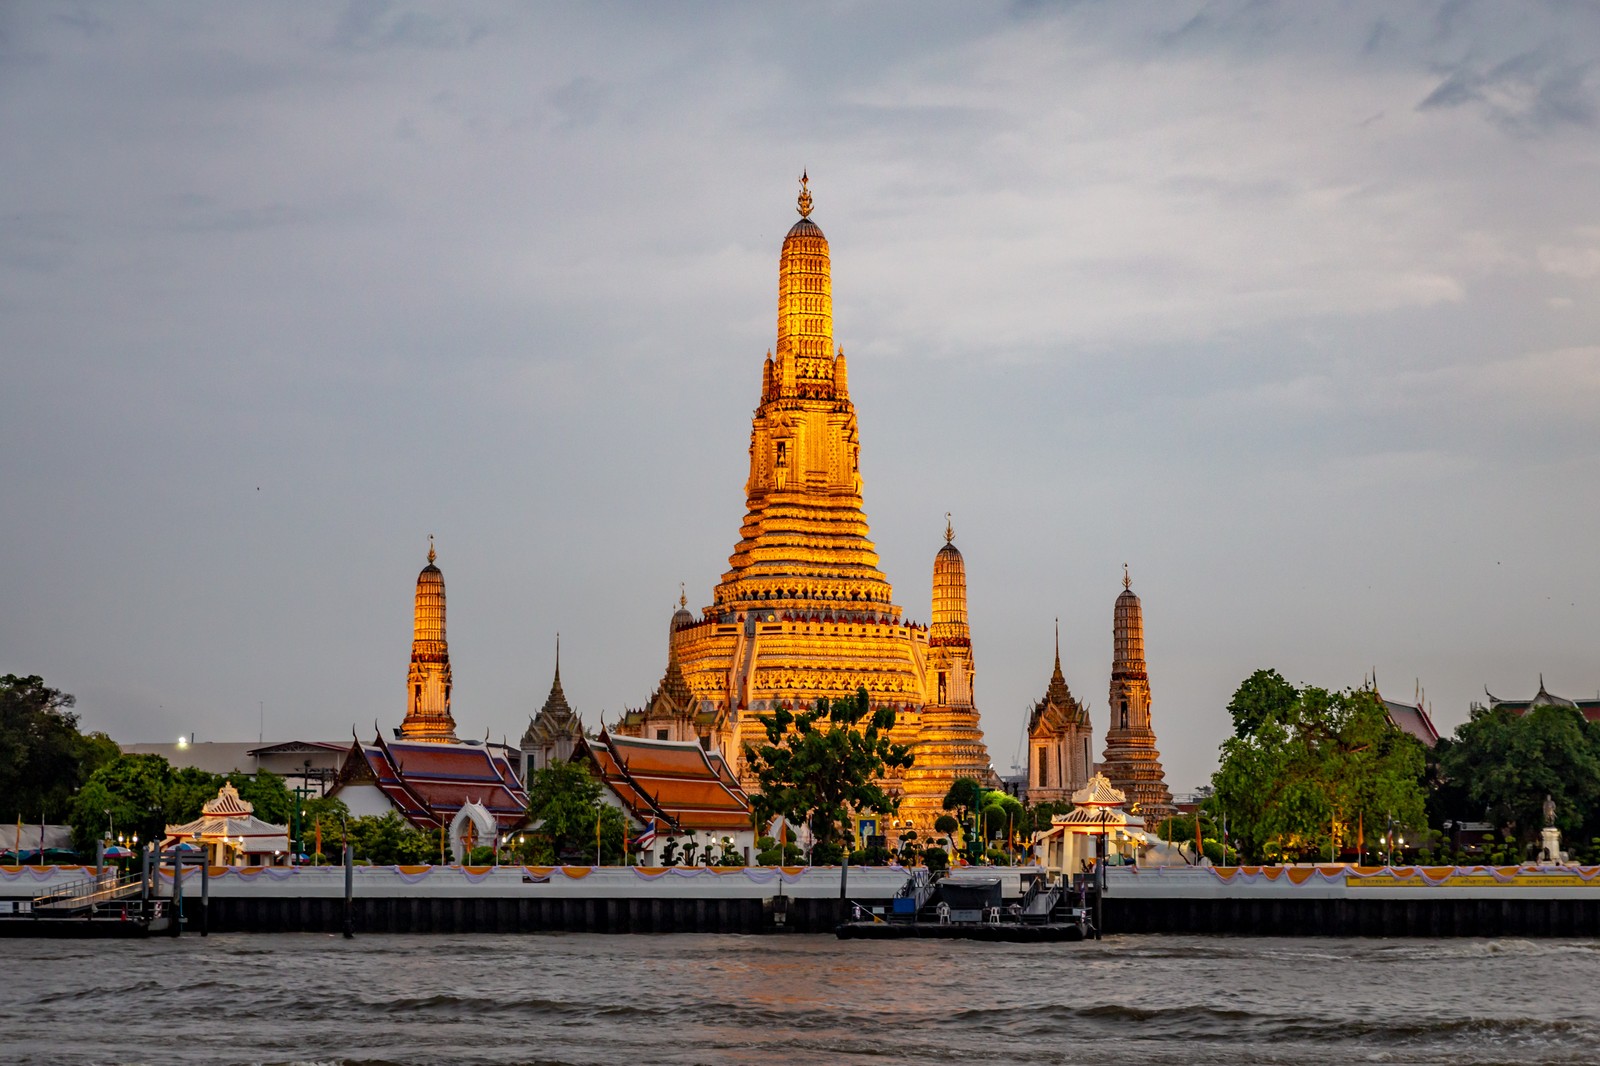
(646, 837)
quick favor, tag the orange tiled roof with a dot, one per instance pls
(675, 780)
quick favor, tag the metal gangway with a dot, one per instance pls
(89, 895)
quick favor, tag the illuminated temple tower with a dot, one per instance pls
(949, 742)
(1132, 762)
(802, 611)
(1059, 760)
(428, 685)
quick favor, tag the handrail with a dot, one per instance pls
(87, 892)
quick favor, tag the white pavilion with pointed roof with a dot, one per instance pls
(1069, 846)
(231, 834)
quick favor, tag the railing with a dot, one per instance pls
(87, 893)
(917, 887)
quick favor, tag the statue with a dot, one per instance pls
(1549, 810)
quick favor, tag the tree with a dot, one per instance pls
(389, 840)
(130, 792)
(1263, 697)
(44, 759)
(818, 766)
(269, 794)
(564, 805)
(1504, 765)
(1305, 774)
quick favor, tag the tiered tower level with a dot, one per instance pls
(949, 741)
(428, 682)
(1132, 762)
(803, 611)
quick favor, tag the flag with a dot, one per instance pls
(597, 838)
(317, 854)
(1199, 846)
(647, 836)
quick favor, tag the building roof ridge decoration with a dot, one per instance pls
(1099, 792)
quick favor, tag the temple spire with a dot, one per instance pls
(803, 204)
(428, 683)
(949, 529)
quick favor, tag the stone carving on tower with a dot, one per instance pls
(1131, 760)
(428, 683)
(803, 610)
(553, 733)
(949, 741)
(1059, 732)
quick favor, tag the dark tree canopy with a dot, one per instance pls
(1499, 767)
(44, 759)
(819, 766)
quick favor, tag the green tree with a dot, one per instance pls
(1309, 772)
(563, 806)
(1504, 765)
(44, 759)
(818, 766)
(1263, 697)
(269, 794)
(129, 792)
(389, 840)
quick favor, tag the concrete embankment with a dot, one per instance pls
(505, 899)
(1341, 900)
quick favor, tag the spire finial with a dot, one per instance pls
(432, 555)
(804, 204)
(1127, 582)
(1058, 643)
(683, 597)
(949, 530)
(558, 658)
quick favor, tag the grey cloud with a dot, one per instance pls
(1533, 91)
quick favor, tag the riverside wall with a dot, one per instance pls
(504, 899)
(1344, 900)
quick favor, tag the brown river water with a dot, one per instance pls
(636, 1000)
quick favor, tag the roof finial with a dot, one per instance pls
(1127, 582)
(683, 597)
(1058, 644)
(805, 196)
(431, 554)
(949, 530)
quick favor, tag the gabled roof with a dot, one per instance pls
(1412, 719)
(673, 780)
(1590, 709)
(429, 782)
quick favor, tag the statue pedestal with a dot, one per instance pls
(1550, 844)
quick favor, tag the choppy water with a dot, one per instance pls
(571, 998)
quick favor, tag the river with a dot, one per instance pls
(637, 1000)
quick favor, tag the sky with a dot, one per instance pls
(1290, 307)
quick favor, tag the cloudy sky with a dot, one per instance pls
(1290, 307)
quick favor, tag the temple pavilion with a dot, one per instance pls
(1069, 846)
(670, 790)
(230, 834)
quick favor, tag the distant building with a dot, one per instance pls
(1132, 762)
(554, 732)
(302, 763)
(426, 775)
(427, 783)
(1590, 709)
(676, 787)
(1412, 719)
(1059, 739)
